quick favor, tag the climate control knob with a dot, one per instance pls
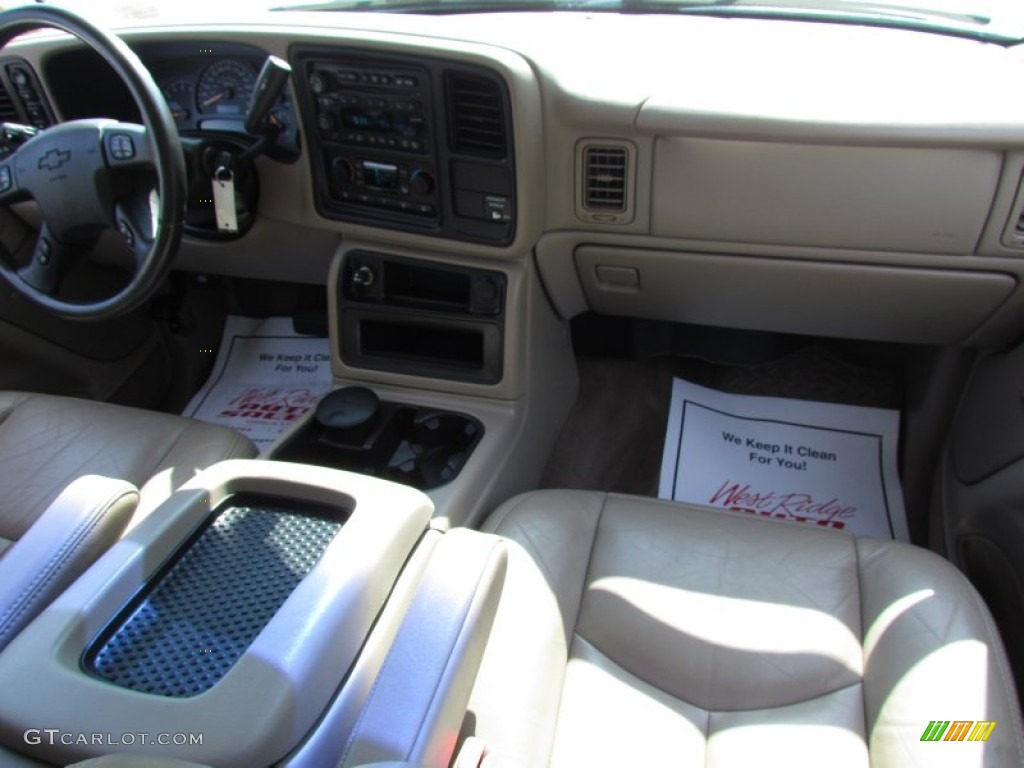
(421, 182)
(342, 172)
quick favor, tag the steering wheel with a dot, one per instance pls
(84, 176)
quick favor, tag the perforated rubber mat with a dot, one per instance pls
(197, 621)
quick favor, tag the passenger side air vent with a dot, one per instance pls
(476, 115)
(604, 172)
(604, 179)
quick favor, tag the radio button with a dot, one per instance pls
(319, 82)
(326, 121)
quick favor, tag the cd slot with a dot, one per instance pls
(406, 283)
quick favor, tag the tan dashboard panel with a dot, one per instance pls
(926, 306)
(893, 199)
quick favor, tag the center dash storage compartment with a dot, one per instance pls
(416, 317)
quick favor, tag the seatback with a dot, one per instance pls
(634, 630)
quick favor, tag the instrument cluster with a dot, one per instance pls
(208, 87)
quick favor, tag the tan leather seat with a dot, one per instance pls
(68, 475)
(47, 441)
(640, 632)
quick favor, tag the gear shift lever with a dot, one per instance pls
(269, 84)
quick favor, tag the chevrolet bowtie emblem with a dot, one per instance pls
(54, 159)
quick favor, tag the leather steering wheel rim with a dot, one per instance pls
(152, 266)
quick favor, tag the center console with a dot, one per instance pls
(266, 614)
(353, 429)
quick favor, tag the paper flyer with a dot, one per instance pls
(265, 377)
(812, 463)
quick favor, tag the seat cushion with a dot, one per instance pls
(47, 441)
(635, 631)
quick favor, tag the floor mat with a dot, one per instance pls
(613, 438)
(265, 377)
(815, 463)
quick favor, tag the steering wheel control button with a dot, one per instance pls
(126, 233)
(121, 147)
(43, 252)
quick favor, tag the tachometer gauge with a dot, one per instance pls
(179, 99)
(225, 88)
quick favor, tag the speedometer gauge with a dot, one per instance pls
(225, 88)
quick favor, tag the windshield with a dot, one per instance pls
(996, 20)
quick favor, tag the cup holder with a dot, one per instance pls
(422, 447)
(435, 449)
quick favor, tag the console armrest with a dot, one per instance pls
(418, 701)
(274, 687)
(80, 524)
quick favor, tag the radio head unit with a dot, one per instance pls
(409, 143)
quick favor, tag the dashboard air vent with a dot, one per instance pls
(604, 179)
(8, 112)
(476, 115)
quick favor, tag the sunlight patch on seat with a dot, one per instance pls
(747, 625)
(793, 744)
(889, 616)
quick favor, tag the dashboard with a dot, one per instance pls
(410, 143)
(643, 165)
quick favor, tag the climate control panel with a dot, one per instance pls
(395, 186)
